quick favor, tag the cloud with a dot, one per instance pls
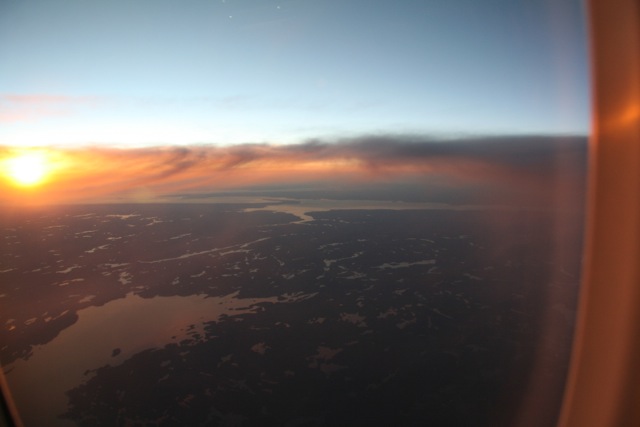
(376, 152)
(501, 168)
(20, 107)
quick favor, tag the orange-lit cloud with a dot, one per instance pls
(528, 164)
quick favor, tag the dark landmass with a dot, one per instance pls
(424, 317)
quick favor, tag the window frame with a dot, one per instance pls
(603, 386)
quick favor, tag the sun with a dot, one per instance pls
(27, 169)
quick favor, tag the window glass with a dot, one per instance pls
(294, 212)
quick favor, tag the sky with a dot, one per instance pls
(224, 72)
(140, 99)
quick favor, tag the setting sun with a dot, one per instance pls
(27, 169)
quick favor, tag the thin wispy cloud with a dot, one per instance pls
(31, 107)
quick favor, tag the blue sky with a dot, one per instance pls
(224, 72)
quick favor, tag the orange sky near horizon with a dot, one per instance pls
(145, 175)
(154, 174)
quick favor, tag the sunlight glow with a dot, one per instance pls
(28, 169)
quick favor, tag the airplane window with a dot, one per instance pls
(290, 213)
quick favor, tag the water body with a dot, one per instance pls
(302, 207)
(108, 335)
